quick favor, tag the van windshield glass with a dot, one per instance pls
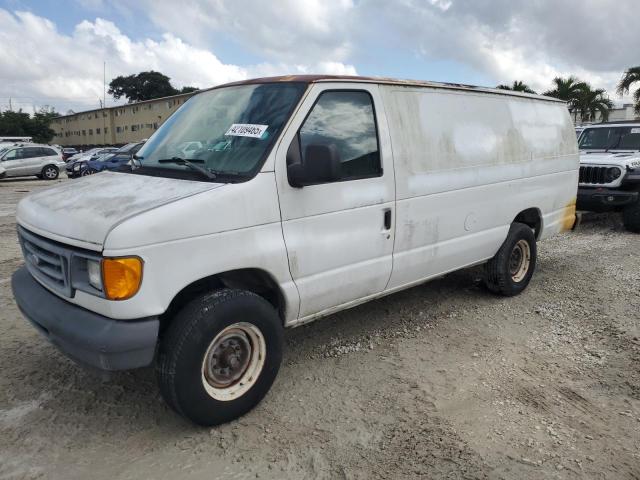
(228, 131)
(611, 138)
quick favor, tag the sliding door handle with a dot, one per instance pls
(387, 219)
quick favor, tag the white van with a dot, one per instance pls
(309, 195)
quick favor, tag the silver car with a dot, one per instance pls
(41, 161)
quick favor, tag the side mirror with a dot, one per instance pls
(321, 164)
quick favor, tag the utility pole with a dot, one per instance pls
(104, 100)
(10, 107)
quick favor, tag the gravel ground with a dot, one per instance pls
(440, 381)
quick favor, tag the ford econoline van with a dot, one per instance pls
(306, 195)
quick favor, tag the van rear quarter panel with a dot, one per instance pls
(466, 164)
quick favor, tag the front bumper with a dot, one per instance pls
(599, 199)
(85, 336)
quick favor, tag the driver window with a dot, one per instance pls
(346, 120)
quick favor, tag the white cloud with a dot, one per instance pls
(508, 40)
(39, 65)
(281, 31)
(502, 40)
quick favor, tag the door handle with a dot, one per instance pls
(387, 219)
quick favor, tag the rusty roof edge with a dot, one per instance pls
(384, 81)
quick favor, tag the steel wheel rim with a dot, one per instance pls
(49, 172)
(519, 260)
(233, 361)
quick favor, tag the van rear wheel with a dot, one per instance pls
(508, 273)
(220, 356)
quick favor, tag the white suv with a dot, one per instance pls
(27, 160)
(610, 171)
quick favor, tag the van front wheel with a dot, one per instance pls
(219, 356)
(508, 273)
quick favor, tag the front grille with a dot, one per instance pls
(593, 174)
(46, 261)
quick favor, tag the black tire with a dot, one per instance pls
(88, 171)
(49, 172)
(631, 217)
(186, 343)
(501, 275)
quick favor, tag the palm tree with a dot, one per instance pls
(591, 102)
(517, 86)
(630, 77)
(568, 89)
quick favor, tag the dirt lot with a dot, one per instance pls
(440, 381)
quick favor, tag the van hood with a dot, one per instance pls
(85, 210)
(610, 158)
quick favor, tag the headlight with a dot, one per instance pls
(94, 273)
(121, 277)
(612, 174)
(76, 167)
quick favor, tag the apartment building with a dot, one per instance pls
(115, 125)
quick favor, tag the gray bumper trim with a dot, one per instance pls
(85, 336)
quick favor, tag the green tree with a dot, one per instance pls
(143, 86)
(570, 90)
(188, 89)
(591, 102)
(630, 77)
(22, 124)
(517, 86)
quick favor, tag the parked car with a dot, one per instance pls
(75, 163)
(610, 171)
(3, 172)
(41, 161)
(68, 152)
(113, 161)
(312, 195)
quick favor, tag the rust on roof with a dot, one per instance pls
(380, 80)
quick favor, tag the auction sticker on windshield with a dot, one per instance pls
(246, 130)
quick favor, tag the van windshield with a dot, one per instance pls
(228, 131)
(611, 138)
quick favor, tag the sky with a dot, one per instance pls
(52, 52)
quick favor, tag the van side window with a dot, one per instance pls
(345, 119)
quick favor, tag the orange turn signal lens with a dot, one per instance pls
(121, 277)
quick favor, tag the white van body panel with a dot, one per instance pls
(87, 209)
(458, 157)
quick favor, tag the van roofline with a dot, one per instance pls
(619, 123)
(383, 81)
(308, 79)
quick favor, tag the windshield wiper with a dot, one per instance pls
(181, 161)
(613, 144)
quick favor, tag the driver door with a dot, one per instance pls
(339, 234)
